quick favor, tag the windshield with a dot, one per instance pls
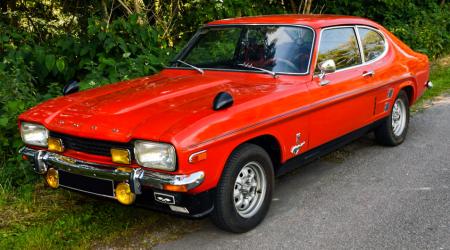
(281, 49)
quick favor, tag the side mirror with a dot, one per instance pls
(327, 66)
(71, 88)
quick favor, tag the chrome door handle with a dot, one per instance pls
(368, 73)
(324, 82)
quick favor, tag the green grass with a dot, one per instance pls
(440, 76)
(36, 217)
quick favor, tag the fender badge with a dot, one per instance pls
(296, 148)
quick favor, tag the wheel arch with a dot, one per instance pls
(271, 145)
(409, 88)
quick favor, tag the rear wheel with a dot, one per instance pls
(244, 192)
(394, 128)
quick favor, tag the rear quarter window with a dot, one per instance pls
(373, 43)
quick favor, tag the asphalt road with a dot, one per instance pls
(364, 196)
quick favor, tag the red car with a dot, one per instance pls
(246, 100)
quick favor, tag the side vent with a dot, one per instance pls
(222, 100)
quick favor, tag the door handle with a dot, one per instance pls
(368, 73)
(324, 82)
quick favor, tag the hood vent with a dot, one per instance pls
(222, 100)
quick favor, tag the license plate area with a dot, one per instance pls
(92, 185)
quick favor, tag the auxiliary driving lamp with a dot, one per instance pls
(120, 156)
(55, 144)
(123, 194)
(52, 178)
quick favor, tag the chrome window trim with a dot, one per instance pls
(355, 28)
(193, 39)
(358, 38)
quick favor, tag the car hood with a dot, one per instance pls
(144, 108)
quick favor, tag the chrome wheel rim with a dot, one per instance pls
(249, 189)
(398, 117)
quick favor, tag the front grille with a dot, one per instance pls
(90, 146)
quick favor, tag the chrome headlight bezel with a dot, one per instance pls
(155, 155)
(34, 134)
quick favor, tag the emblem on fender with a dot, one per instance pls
(296, 148)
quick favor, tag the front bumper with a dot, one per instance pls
(147, 185)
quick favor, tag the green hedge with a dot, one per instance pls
(31, 72)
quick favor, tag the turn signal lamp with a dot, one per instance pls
(124, 194)
(121, 156)
(52, 178)
(55, 144)
(199, 156)
(175, 188)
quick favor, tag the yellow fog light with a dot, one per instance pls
(55, 144)
(52, 178)
(124, 194)
(120, 156)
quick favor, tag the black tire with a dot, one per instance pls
(384, 134)
(225, 214)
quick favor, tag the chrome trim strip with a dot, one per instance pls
(193, 39)
(358, 38)
(136, 177)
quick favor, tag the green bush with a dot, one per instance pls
(31, 72)
(423, 25)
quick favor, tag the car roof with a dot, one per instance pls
(314, 21)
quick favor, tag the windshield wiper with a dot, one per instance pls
(192, 66)
(250, 66)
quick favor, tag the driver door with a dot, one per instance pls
(340, 104)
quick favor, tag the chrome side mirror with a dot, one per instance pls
(327, 66)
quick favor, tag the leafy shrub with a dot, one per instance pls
(32, 71)
(423, 25)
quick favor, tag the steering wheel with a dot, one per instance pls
(289, 64)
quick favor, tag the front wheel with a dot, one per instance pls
(244, 192)
(394, 128)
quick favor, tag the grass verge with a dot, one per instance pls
(35, 217)
(440, 76)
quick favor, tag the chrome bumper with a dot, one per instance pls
(136, 177)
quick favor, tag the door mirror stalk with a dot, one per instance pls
(327, 66)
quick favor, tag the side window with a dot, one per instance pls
(372, 42)
(341, 45)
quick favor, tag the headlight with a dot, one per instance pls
(34, 134)
(155, 155)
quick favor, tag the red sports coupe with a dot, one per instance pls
(246, 100)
